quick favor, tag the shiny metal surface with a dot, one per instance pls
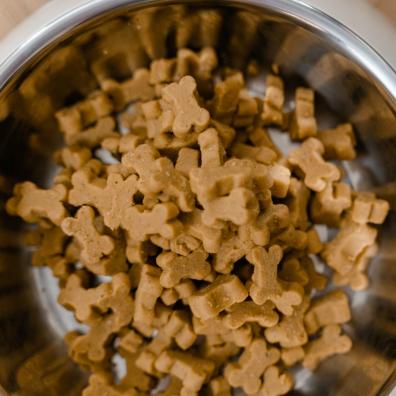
(59, 64)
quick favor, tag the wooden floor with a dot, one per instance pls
(13, 11)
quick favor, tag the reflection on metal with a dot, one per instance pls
(352, 81)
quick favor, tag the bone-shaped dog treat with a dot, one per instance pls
(162, 71)
(74, 119)
(121, 306)
(366, 208)
(227, 133)
(178, 328)
(240, 207)
(189, 115)
(332, 308)
(317, 281)
(339, 143)
(75, 296)
(290, 331)
(280, 176)
(293, 271)
(248, 108)
(248, 311)
(328, 205)
(158, 118)
(92, 137)
(74, 157)
(274, 101)
(136, 88)
(159, 175)
(181, 291)
(111, 198)
(187, 159)
(274, 383)
(303, 124)
(226, 99)
(211, 237)
(147, 294)
(210, 183)
(342, 252)
(290, 238)
(218, 387)
(209, 301)
(308, 160)
(291, 356)
(212, 150)
(184, 244)
(259, 137)
(175, 268)
(191, 370)
(330, 342)
(265, 283)
(101, 384)
(34, 204)
(140, 223)
(94, 245)
(260, 154)
(217, 350)
(357, 279)
(122, 144)
(297, 202)
(255, 359)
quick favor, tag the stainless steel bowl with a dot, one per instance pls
(54, 67)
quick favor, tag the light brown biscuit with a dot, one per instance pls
(182, 291)
(339, 143)
(330, 342)
(328, 205)
(308, 160)
(303, 123)
(101, 384)
(274, 383)
(187, 159)
(366, 208)
(261, 154)
(33, 204)
(281, 177)
(122, 144)
(184, 244)
(291, 356)
(332, 308)
(209, 301)
(173, 388)
(274, 101)
(266, 286)
(73, 157)
(218, 387)
(247, 371)
(247, 110)
(189, 116)
(297, 202)
(211, 147)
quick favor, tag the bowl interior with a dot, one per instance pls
(115, 42)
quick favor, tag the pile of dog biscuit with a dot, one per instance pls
(185, 240)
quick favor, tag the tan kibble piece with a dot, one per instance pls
(182, 291)
(331, 342)
(121, 144)
(339, 143)
(260, 154)
(101, 384)
(184, 244)
(248, 311)
(290, 238)
(147, 294)
(74, 119)
(211, 237)
(260, 137)
(303, 124)
(291, 356)
(158, 174)
(92, 137)
(140, 223)
(366, 208)
(189, 115)
(191, 370)
(136, 88)
(317, 281)
(34, 204)
(274, 101)
(329, 204)
(332, 308)
(297, 202)
(74, 157)
(246, 372)
(248, 108)
(265, 283)
(111, 197)
(274, 383)
(357, 278)
(158, 119)
(120, 306)
(187, 159)
(226, 99)
(218, 350)
(212, 150)
(175, 268)
(308, 159)
(218, 387)
(290, 331)
(281, 180)
(342, 252)
(162, 71)
(292, 271)
(314, 245)
(209, 301)
(215, 328)
(173, 389)
(226, 132)
(82, 227)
